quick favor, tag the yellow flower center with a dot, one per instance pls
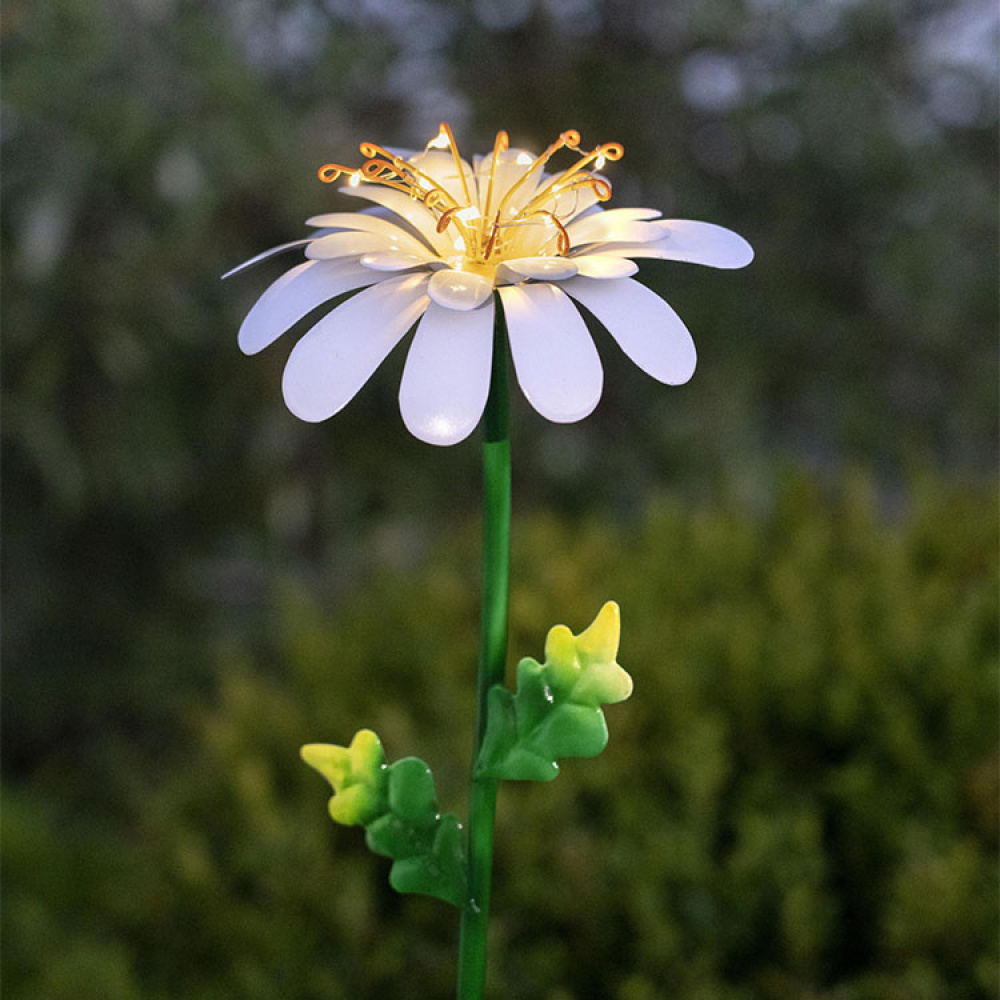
(511, 219)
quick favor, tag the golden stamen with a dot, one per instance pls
(329, 172)
(562, 235)
(570, 138)
(454, 215)
(445, 129)
(419, 185)
(607, 151)
(390, 170)
(500, 145)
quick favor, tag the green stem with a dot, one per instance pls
(492, 666)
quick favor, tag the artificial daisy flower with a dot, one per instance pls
(443, 237)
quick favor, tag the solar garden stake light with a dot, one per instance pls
(487, 260)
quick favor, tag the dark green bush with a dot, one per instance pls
(799, 800)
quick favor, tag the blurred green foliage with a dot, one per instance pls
(801, 798)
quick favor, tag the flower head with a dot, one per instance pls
(442, 237)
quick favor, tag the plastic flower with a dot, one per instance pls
(443, 236)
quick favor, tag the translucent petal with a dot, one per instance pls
(439, 165)
(510, 169)
(338, 355)
(349, 243)
(536, 236)
(413, 211)
(555, 360)
(296, 293)
(461, 290)
(646, 328)
(543, 268)
(693, 242)
(601, 265)
(447, 375)
(567, 205)
(264, 254)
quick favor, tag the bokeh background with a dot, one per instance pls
(800, 800)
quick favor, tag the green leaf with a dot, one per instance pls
(397, 804)
(411, 791)
(556, 711)
(393, 838)
(438, 871)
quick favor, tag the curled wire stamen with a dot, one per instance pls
(562, 244)
(600, 185)
(570, 139)
(415, 182)
(449, 217)
(437, 198)
(611, 151)
(562, 235)
(446, 218)
(330, 172)
(445, 129)
(491, 242)
(380, 172)
(576, 176)
(391, 170)
(500, 145)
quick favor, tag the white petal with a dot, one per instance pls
(390, 261)
(461, 290)
(543, 268)
(447, 375)
(364, 222)
(379, 212)
(413, 211)
(338, 355)
(296, 293)
(555, 360)
(263, 255)
(348, 244)
(602, 265)
(693, 242)
(646, 328)
(597, 209)
(612, 226)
